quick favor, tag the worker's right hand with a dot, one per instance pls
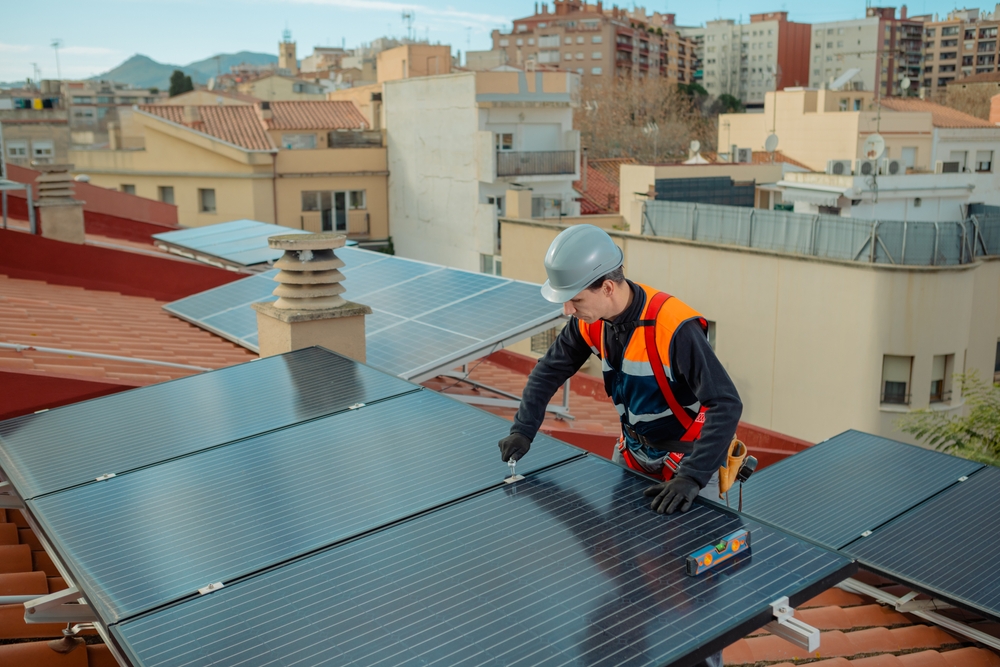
(514, 446)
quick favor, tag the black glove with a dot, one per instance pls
(514, 446)
(677, 494)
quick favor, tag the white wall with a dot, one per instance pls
(853, 45)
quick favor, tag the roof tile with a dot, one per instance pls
(941, 116)
(315, 115)
(236, 124)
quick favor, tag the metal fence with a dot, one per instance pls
(829, 236)
(535, 163)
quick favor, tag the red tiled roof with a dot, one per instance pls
(985, 77)
(759, 157)
(601, 195)
(315, 115)
(941, 116)
(235, 124)
(36, 313)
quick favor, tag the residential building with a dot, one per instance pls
(816, 126)
(963, 44)
(973, 94)
(205, 97)
(458, 142)
(815, 345)
(308, 165)
(747, 60)
(323, 59)
(34, 125)
(276, 87)
(879, 44)
(94, 105)
(598, 44)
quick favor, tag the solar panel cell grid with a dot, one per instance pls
(232, 295)
(423, 345)
(431, 291)
(568, 567)
(242, 242)
(508, 306)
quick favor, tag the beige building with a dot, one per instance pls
(95, 105)
(816, 126)
(204, 97)
(599, 44)
(34, 125)
(963, 44)
(815, 346)
(281, 88)
(307, 165)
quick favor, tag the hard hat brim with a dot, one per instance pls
(557, 295)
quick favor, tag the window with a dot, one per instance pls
(984, 161)
(105, 100)
(929, 32)
(568, 56)
(546, 41)
(83, 100)
(520, 42)
(548, 56)
(987, 32)
(332, 208)
(531, 41)
(596, 55)
(941, 370)
(579, 70)
(959, 157)
(504, 42)
(504, 141)
(949, 42)
(579, 39)
(909, 156)
(818, 46)
(857, 105)
(166, 194)
(206, 200)
(358, 200)
(843, 104)
(595, 70)
(596, 39)
(298, 141)
(128, 189)
(569, 41)
(490, 264)
(42, 150)
(579, 55)
(17, 149)
(946, 30)
(896, 379)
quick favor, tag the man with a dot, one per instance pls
(678, 415)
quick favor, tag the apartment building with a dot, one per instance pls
(816, 126)
(885, 49)
(458, 142)
(307, 165)
(94, 105)
(963, 44)
(34, 124)
(747, 60)
(276, 87)
(598, 44)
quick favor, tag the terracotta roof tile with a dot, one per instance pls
(315, 115)
(235, 124)
(601, 195)
(941, 116)
(984, 77)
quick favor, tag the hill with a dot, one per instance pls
(144, 72)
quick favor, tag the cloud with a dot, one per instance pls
(13, 48)
(450, 15)
(87, 51)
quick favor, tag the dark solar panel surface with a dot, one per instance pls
(240, 241)
(161, 533)
(77, 443)
(945, 546)
(834, 491)
(568, 567)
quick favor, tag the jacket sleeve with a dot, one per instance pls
(694, 360)
(564, 358)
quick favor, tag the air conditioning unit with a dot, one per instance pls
(866, 168)
(891, 167)
(744, 155)
(838, 167)
(941, 167)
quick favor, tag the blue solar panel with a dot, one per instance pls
(833, 492)
(944, 546)
(425, 318)
(240, 242)
(77, 443)
(160, 533)
(566, 567)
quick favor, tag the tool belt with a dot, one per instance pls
(659, 445)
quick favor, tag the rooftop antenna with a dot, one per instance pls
(468, 38)
(408, 18)
(38, 72)
(56, 45)
(286, 35)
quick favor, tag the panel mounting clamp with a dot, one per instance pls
(355, 406)
(211, 588)
(786, 626)
(65, 606)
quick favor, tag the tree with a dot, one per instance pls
(730, 104)
(180, 83)
(975, 436)
(692, 89)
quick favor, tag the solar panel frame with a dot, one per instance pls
(836, 490)
(74, 444)
(147, 538)
(567, 558)
(941, 548)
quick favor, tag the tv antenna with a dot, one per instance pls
(408, 18)
(56, 45)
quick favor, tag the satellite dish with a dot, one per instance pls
(82, 178)
(874, 147)
(695, 146)
(905, 83)
(771, 143)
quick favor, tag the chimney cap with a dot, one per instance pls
(318, 241)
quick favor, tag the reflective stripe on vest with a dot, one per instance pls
(641, 389)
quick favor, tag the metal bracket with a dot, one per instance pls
(66, 606)
(9, 498)
(786, 626)
(909, 603)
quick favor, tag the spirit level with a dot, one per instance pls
(722, 550)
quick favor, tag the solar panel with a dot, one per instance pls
(158, 534)
(425, 318)
(238, 243)
(945, 546)
(833, 492)
(568, 566)
(77, 443)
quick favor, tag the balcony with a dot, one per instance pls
(535, 163)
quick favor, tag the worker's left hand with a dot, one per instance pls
(677, 494)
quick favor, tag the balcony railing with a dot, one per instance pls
(535, 163)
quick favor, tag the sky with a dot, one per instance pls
(99, 34)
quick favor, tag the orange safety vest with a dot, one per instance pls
(642, 390)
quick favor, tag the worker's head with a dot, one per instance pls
(584, 267)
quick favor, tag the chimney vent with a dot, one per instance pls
(62, 216)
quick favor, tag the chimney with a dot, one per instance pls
(310, 309)
(265, 110)
(61, 215)
(995, 109)
(191, 114)
(517, 203)
(902, 13)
